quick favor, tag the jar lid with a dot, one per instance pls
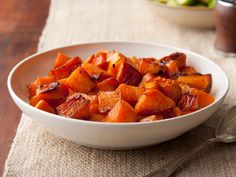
(227, 2)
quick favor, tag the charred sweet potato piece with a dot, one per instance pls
(66, 69)
(75, 106)
(95, 72)
(61, 60)
(129, 93)
(186, 70)
(178, 58)
(107, 100)
(53, 93)
(100, 59)
(189, 102)
(80, 81)
(127, 74)
(152, 118)
(153, 102)
(122, 112)
(148, 65)
(146, 78)
(98, 118)
(198, 81)
(169, 87)
(109, 84)
(115, 60)
(43, 105)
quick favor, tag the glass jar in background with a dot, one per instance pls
(225, 18)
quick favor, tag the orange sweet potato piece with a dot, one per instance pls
(129, 75)
(198, 81)
(151, 85)
(95, 72)
(43, 105)
(178, 58)
(122, 112)
(129, 93)
(153, 102)
(147, 77)
(204, 99)
(152, 118)
(66, 69)
(80, 81)
(31, 88)
(179, 112)
(75, 106)
(115, 60)
(61, 60)
(100, 59)
(169, 87)
(98, 118)
(109, 84)
(186, 70)
(134, 62)
(53, 93)
(107, 100)
(148, 65)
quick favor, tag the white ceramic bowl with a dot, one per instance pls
(191, 16)
(113, 135)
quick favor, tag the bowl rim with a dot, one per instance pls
(187, 8)
(72, 120)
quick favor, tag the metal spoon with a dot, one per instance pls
(225, 133)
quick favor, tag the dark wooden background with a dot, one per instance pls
(21, 23)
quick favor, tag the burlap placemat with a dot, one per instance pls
(35, 152)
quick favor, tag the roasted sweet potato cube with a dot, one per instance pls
(75, 106)
(152, 118)
(179, 112)
(148, 65)
(151, 85)
(80, 81)
(169, 87)
(189, 102)
(146, 78)
(95, 72)
(127, 74)
(153, 102)
(198, 81)
(43, 105)
(115, 59)
(61, 60)
(134, 62)
(107, 100)
(31, 90)
(98, 118)
(129, 93)
(122, 112)
(66, 69)
(100, 59)
(186, 70)
(109, 84)
(178, 58)
(53, 93)
(204, 99)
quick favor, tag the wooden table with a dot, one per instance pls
(21, 23)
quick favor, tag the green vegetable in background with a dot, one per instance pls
(185, 2)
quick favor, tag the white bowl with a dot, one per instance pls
(113, 135)
(191, 16)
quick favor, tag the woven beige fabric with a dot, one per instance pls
(35, 152)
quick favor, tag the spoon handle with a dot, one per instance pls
(170, 167)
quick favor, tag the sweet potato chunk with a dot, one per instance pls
(204, 99)
(127, 74)
(198, 81)
(100, 59)
(178, 58)
(153, 102)
(169, 87)
(146, 78)
(152, 118)
(95, 72)
(43, 105)
(53, 93)
(107, 100)
(109, 84)
(186, 70)
(66, 69)
(148, 65)
(80, 81)
(129, 93)
(97, 118)
(151, 85)
(61, 60)
(115, 60)
(122, 112)
(75, 106)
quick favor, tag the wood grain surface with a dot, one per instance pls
(21, 23)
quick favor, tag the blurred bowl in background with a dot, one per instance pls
(191, 16)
